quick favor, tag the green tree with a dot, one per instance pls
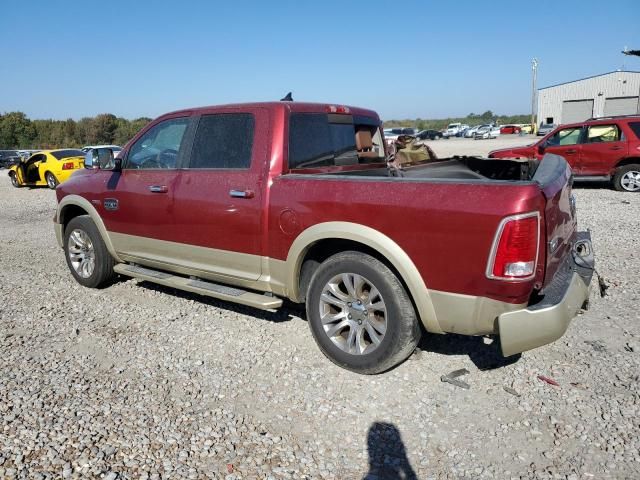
(16, 130)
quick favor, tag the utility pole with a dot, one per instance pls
(534, 81)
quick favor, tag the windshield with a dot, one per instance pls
(60, 154)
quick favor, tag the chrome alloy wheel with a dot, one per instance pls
(353, 313)
(81, 253)
(630, 181)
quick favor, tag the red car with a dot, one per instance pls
(606, 149)
(510, 129)
(256, 203)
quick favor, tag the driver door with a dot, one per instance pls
(137, 204)
(566, 143)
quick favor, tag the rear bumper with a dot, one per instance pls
(548, 319)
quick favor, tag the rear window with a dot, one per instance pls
(60, 154)
(223, 141)
(635, 126)
(320, 140)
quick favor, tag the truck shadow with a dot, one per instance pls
(483, 356)
(387, 454)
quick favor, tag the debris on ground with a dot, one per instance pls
(548, 380)
(452, 378)
(598, 345)
(512, 391)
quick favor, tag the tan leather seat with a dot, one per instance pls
(364, 144)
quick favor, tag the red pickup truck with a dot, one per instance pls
(254, 203)
(606, 149)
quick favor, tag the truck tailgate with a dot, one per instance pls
(555, 180)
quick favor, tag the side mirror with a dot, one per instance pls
(102, 159)
(541, 148)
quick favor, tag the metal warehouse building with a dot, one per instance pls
(609, 94)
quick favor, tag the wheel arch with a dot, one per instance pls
(628, 161)
(320, 241)
(73, 206)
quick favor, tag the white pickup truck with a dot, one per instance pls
(454, 129)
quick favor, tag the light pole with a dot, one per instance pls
(534, 80)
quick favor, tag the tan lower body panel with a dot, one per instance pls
(233, 268)
(526, 329)
(468, 314)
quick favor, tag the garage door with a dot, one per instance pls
(577, 110)
(620, 106)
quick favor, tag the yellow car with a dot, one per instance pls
(46, 167)
(527, 128)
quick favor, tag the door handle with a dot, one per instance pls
(241, 193)
(616, 148)
(158, 188)
(571, 151)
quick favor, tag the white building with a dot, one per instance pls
(609, 94)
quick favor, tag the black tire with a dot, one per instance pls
(402, 329)
(102, 273)
(52, 181)
(14, 180)
(620, 174)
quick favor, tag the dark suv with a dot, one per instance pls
(604, 149)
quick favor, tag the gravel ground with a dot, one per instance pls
(139, 381)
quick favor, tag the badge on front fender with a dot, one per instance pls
(110, 203)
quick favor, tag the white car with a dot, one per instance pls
(391, 134)
(487, 131)
(471, 131)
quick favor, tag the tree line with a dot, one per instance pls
(471, 119)
(17, 131)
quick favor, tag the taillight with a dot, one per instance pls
(67, 166)
(515, 249)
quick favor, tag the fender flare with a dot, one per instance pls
(374, 239)
(83, 203)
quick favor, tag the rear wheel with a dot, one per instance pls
(52, 181)
(360, 314)
(627, 178)
(87, 256)
(14, 180)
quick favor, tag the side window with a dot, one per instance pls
(223, 141)
(635, 126)
(567, 136)
(159, 146)
(603, 133)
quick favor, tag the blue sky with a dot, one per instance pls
(61, 59)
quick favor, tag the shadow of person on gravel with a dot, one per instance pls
(387, 454)
(483, 356)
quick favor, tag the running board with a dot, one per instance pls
(592, 178)
(202, 287)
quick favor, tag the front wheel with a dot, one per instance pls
(87, 256)
(360, 315)
(627, 178)
(52, 181)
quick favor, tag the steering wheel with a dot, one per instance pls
(167, 158)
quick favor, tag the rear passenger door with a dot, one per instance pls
(604, 146)
(219, 199)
